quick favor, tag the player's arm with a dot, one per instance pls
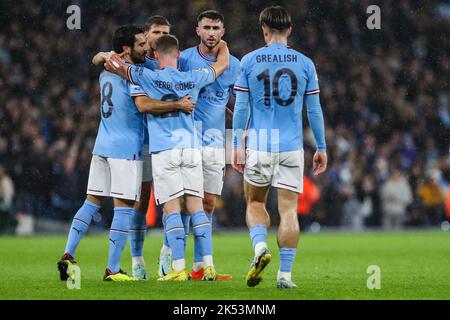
(234, 70)
(101, 57)
(223, 58)
(230, 107)
(240, 118)
(241, 114)
(147, 105)
(315, 118)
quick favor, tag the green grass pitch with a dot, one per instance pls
(414, 265)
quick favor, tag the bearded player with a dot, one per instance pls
(155, 27)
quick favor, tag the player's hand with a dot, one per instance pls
(107, 55)
(113, 62)
(238, 159)
(185, 104)
(222, 45)
(320, 161)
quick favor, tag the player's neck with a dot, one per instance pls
(208, 51)
(151, 53)
(276, 38)
(167, 62)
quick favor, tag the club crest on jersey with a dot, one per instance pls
(139, 70)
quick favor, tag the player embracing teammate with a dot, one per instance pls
(175, 149)
(188, 150)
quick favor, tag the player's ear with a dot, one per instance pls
(126, 49)
(223, 31)
(264, 30)
(265, 33)
(178, 54)
(156, 55)
(289, 31)
(197, 30)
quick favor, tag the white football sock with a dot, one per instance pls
(259, 247)
(178, 265)
(208, 261)
(197, 266)
(284, 275)
(138, 261)
(166, 250)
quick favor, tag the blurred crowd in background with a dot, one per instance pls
(385, 96)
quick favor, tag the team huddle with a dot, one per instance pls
(162, 122)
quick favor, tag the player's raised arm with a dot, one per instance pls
(223, 59)
(315, 118)
(101, 57)
(115, 65)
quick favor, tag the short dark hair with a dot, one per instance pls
(276, 18)
(156, 20)
(211, 14)
(125, 36)
(167, 44)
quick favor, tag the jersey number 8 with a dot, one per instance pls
(106, 97)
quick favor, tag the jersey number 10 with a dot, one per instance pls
(265, 76)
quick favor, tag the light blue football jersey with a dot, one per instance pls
(277, 78)
(151, 64)
(121, 131)
(210, 110)
(171, 130)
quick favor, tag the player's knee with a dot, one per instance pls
(124, 203)
(209, 203)
(142, 205)
(193, 204)
(95, 199)
(254, 205)
(289, 219)
(288, 209)
(172, 206)
(144, 199)
(208, 207)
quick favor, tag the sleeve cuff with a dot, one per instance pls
(130, 77)
(312, 92)
(243, 89)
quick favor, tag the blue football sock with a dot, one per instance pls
(166, 242)
(201, 228)
(175, 235)
(118, 236)
(186, 218)
(197, 251)
(79, 226)
(287, 256)
(258, 233)
(138, 228)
